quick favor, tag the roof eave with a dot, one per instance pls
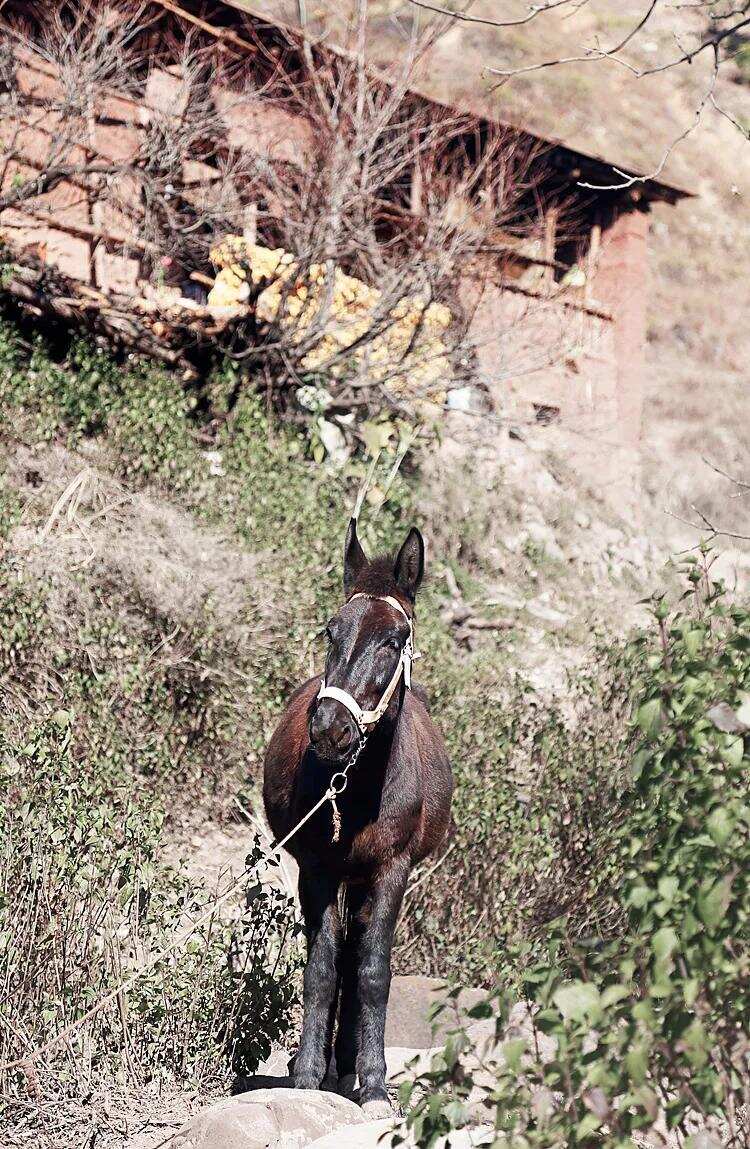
(606, 177)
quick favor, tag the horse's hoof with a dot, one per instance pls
(347, 1086)
(377, 1109)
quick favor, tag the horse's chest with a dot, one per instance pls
(354, 844)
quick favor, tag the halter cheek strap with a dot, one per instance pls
(367, 718)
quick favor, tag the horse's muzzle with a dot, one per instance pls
(333, 732)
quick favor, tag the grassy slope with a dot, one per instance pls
(150, 628)
(156, 616)
(213, 588)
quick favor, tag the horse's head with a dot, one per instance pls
(369, 641)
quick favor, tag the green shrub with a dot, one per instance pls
(85, 900)
(98, 740)
(530, 812)
(649, 1015)
(141, 407)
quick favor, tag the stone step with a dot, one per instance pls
(271, 1119)
(412, 997)
(375, 1135)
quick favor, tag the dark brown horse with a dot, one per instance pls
(362, 718)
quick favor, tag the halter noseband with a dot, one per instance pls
(368, 718)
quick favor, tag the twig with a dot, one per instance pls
(422, 878)
(365, 486)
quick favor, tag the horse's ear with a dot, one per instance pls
(410, 564)
(355, 559)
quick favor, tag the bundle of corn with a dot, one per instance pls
(403, 348)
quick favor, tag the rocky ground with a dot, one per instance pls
(267, 1113)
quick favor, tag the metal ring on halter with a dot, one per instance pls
(344, 781)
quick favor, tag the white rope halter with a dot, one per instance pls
(368, 718)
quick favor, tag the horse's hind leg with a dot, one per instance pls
(374, 984)
(347, 1037)
(318, 898)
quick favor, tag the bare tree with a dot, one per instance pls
(372, 193)
(703, 520)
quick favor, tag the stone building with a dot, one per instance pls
(559, 322)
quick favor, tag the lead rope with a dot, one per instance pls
(335, 788)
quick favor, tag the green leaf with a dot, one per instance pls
(455, 1114)
(742, 712)
(639, 896)
(636, 1063)
(513, 1051)
(587, 1125)
(720, 825)
(668, 887)
(639, 761)
(612, 994)
(697, 1044)
(649, 717)
(733, 750)
(693, 642)
(577, 999)
(664, 943)
(713, 900)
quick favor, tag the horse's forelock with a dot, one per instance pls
(378, 578)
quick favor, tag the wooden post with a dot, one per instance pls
(550, 243)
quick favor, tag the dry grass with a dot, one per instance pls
(130, 537)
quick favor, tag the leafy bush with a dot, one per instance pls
(530, 813)
(85, 900)
(648, 1017)
(138, 405)
(96, 739)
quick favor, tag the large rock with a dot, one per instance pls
(270, 1119)
(412, 997)
(399, 1059)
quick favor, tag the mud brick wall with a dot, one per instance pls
(84, 235)
(583, 363)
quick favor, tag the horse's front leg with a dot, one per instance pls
(374, 984)
(318, 899)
